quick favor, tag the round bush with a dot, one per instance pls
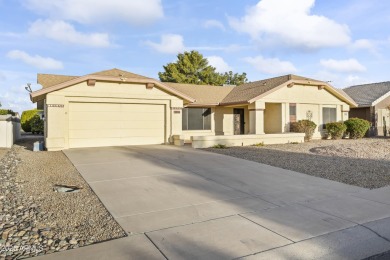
(304, 126)
(356, 127)
(336, 129)
(36, 124)
(25, 120)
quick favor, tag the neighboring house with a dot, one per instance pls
(373, 101)
(115, 107)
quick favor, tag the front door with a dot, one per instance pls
(239, 123)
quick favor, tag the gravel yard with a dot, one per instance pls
(3, 151)
(36, 220)
(364, 163)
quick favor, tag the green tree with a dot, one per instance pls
(235, 78)
(192, 68)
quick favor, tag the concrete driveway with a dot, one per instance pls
(180, 203)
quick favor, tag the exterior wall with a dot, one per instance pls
(307, 98)
(57, 107)
(381, 110)
(241, 140)
(382, 121)
(224, 121)
(256, 117)
(361, 112)
(9, 130)
(273, 118)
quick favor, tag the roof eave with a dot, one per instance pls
(234, 103)
(308, 83)
(39, 94)
(202, 104)
(383, 97)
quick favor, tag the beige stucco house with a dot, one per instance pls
(115, 107)
(373, 105)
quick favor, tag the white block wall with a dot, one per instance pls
(9, 130)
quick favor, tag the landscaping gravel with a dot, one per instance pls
(364, 163)
(36, 220)
(3, 151)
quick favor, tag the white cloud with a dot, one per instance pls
(12, 93)
(228, 48)
(271, 66)
(366, 44)
(65, 32)
(135, 12)
(170, 43)
(36, 60)
(219, 63)
(214, 24)
(290, 23)
(362, 44)
(349, 65)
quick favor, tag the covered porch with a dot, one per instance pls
(239, 125)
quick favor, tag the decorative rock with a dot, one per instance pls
(73, 242)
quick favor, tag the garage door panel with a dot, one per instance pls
(146, 124)
(141, 132)
(92, 125)
(104, 124)
(92, 116)
(96, 133)
(141, 117)
(98, 107)
(142, 108)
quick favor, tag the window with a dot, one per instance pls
(329, 115)
(196, 118)
(293, 112)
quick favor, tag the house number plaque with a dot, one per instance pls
(55, 105)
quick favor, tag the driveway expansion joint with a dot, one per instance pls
(151, 241)
(266, 228)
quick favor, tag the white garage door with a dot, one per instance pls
(110, 124)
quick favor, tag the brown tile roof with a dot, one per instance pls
(366, 95)
(250, 90)
(48, 80)
(119, 73)
(204, 94)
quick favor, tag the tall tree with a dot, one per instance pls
(193, 68)
(235, 78)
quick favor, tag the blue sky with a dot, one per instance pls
(346, 42)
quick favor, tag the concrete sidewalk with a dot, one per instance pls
(180, 203)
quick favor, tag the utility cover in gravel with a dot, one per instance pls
(36, 220)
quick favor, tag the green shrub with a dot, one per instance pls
(258, 144)
(25, 120)
(336, 129)
(7, 112)
(356, 127)
(304, 126)
(220, 146)
(37, 125)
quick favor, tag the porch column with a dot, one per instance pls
(256, 118)
(176, 117)
(344, 112)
